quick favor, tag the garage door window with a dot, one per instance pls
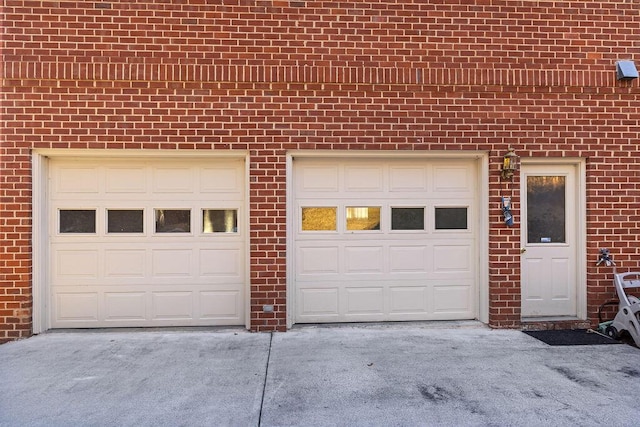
(407, 218)
(77, 221)
(125, 220)
(451, 218)
(319, 218)
(219, 221)
(173, 221)
(363, 218)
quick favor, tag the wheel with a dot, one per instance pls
(611, 332)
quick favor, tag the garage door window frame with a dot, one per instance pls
(422, 226)
(355, 216)
(229, 221)
(445, 224)
(171, 225)
(81, 226)
(132, 230)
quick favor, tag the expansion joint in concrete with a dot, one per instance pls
(266, 373)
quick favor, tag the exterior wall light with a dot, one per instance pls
(510, 163)
(626, 70)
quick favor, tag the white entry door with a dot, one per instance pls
(549, 235)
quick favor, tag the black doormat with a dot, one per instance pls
(571, 337)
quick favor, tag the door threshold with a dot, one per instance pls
(553, 322)
(550, 319)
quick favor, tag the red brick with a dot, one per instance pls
(300, 75)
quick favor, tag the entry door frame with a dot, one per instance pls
(579, 167)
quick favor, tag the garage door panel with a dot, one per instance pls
(364, 260)
(173, 180)
(126, 180)
(220, 305)
(318, 260)
(76, 265)
(76, 182)
(224, 180)
(408, 299)
(408, 259)
(125, 306)
(317, 179)
(172, 305)
(360, 178)
(452, 258)
(319, 302)
(125, 263)
(364, 300)
(345, 275)
(77, 306)
(453, 298)
(134, 276)
(411, 179)
(221, 263)
(450, 180)
(167, 262)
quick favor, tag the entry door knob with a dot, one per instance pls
(523, 250)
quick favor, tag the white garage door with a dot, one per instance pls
(385, 240)
(146, 242)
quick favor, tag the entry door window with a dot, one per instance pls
(546, 209)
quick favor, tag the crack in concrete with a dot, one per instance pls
(264, 384)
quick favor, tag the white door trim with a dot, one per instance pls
(482, 159)
(579, 165)
(39, 230)
(39, 239)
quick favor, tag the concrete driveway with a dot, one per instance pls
(376, 375)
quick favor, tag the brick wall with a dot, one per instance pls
(272, 76)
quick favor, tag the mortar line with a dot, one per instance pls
(266, 373)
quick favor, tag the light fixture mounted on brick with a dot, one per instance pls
(510, 163)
